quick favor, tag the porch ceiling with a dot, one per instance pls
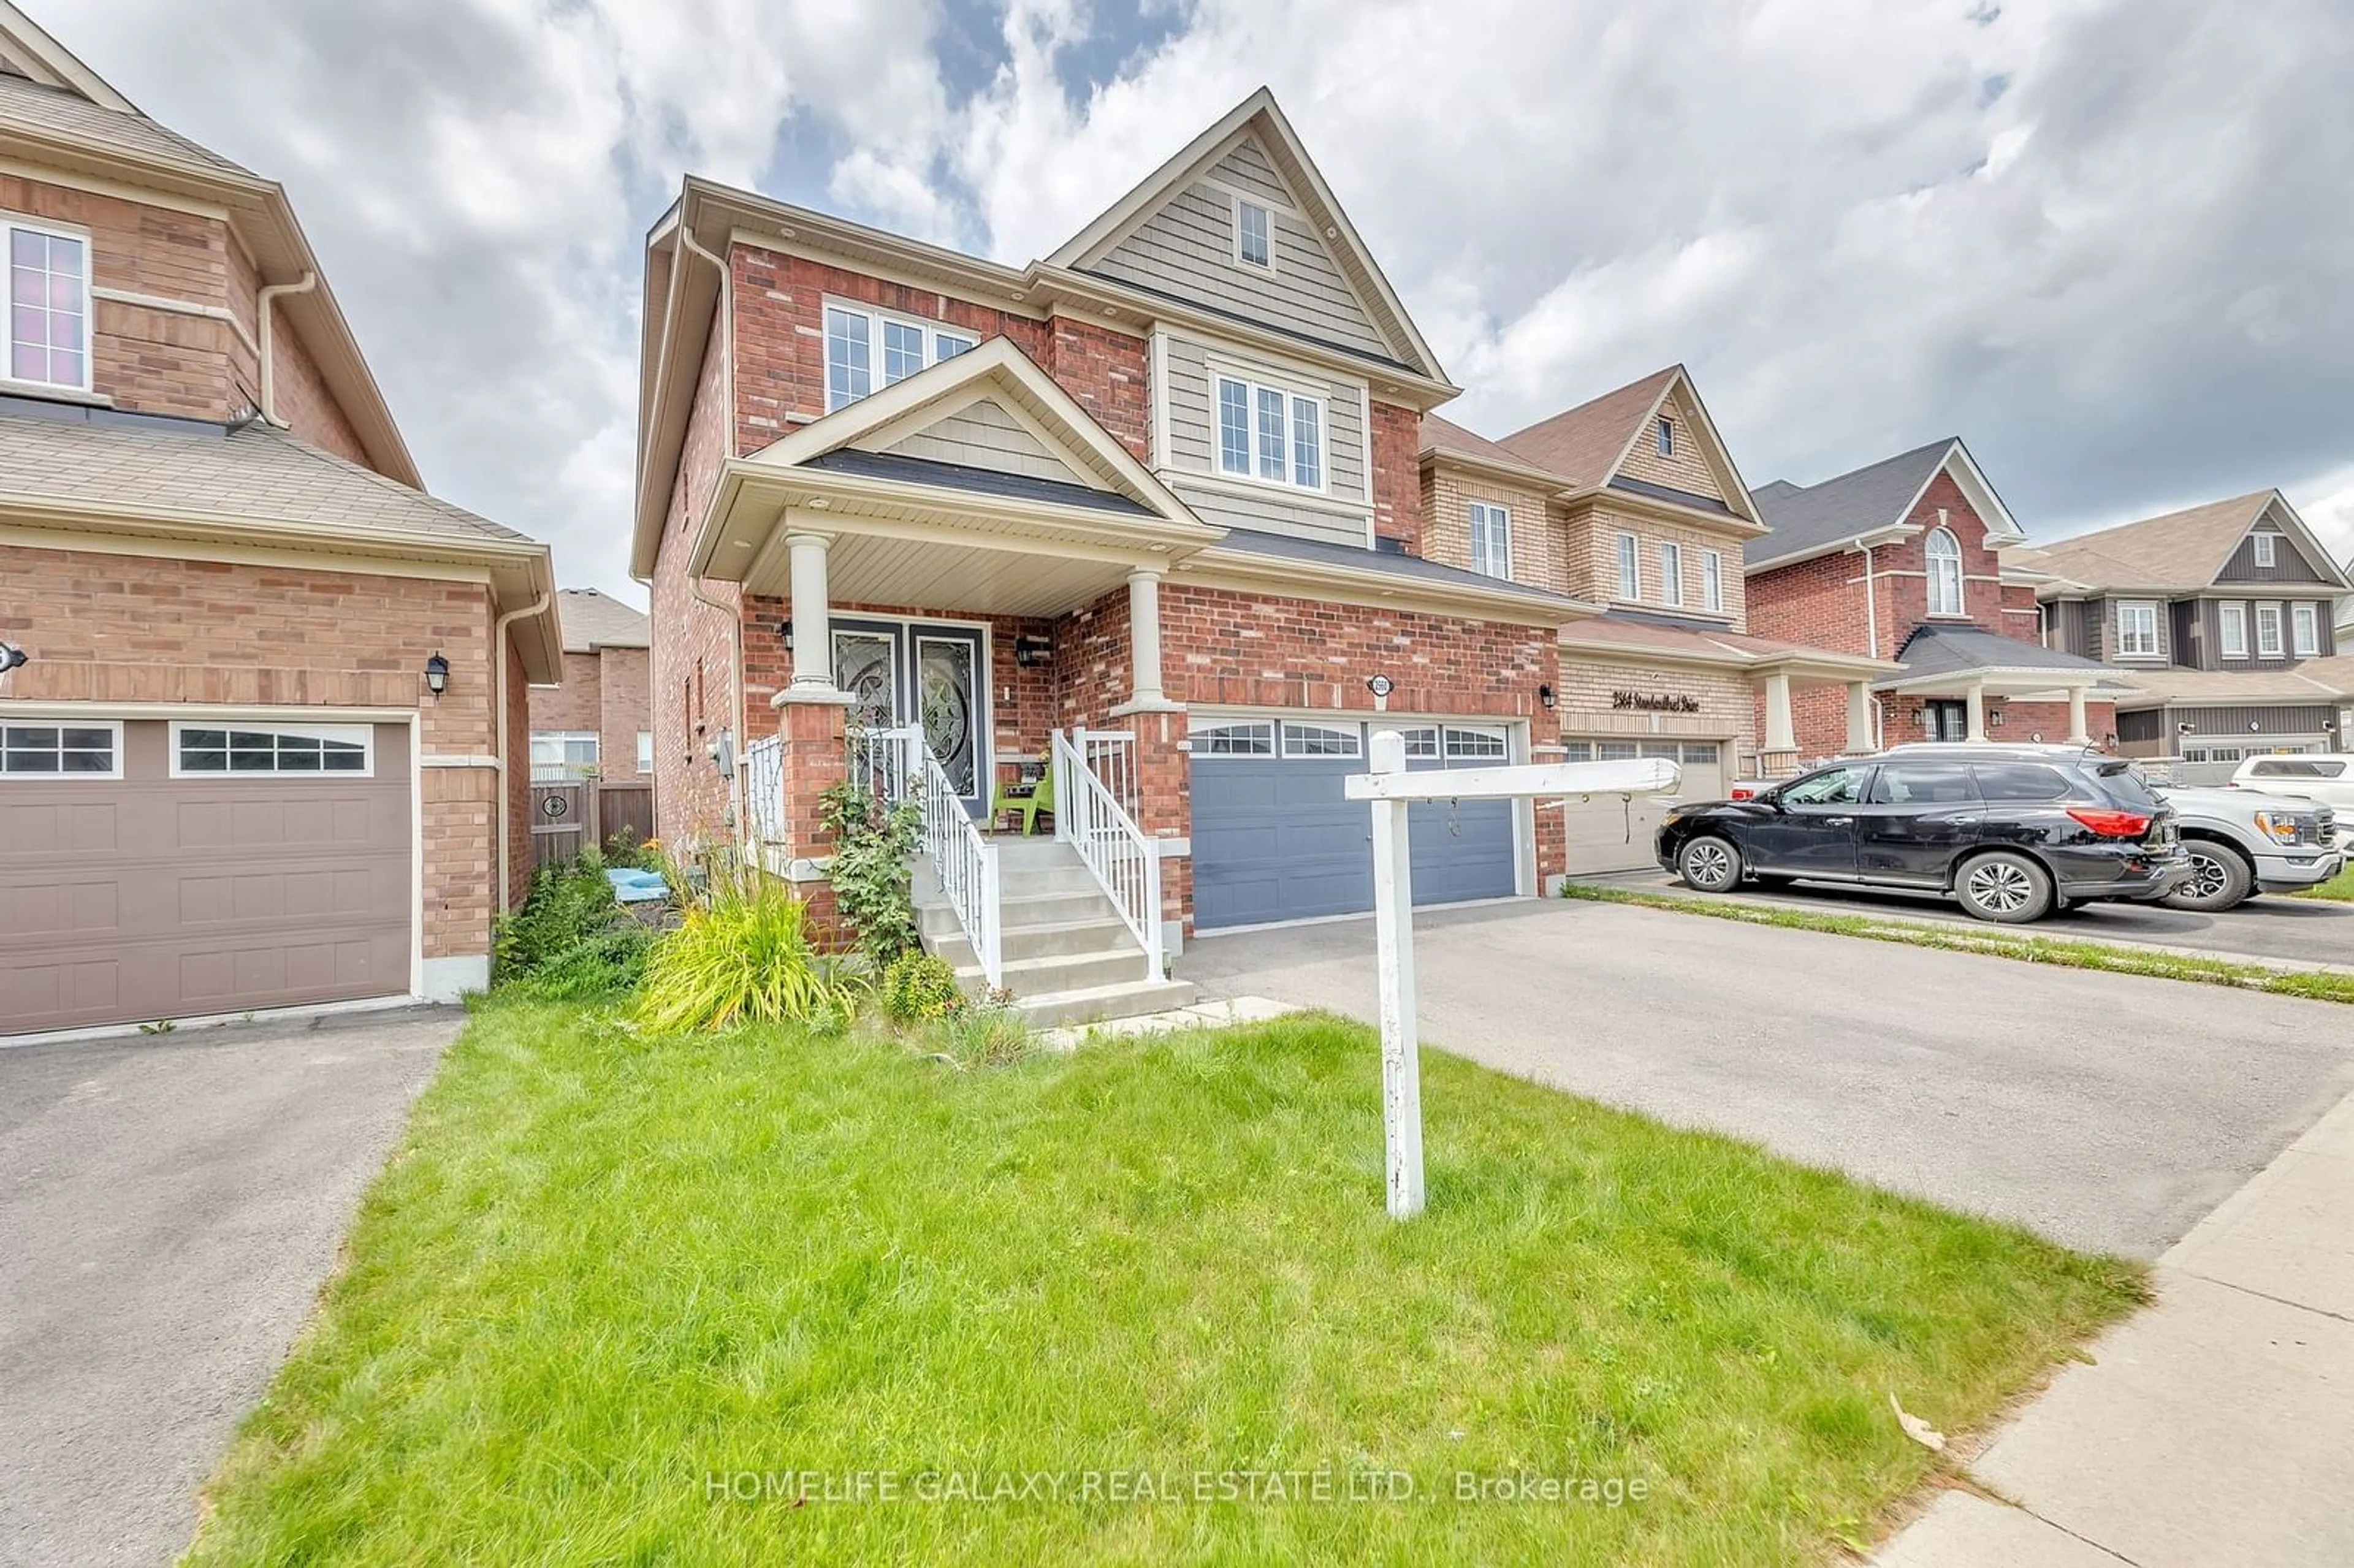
(942, 575)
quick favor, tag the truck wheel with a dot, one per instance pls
(2005, 888)
(2219, 880)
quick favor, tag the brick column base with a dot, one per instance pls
(816, 759)
(1164, 804)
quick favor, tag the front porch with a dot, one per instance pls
(1963, 684)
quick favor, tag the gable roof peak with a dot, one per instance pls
(27, 47)
(1809, 520)
(1585, 443)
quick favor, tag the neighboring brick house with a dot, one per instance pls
(227, 781)
(2219, 619)
(1162, 483)
(1631, 505)
(598, 721)
(1906, 559)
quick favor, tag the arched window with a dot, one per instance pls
(1944, 573)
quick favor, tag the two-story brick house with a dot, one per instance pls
(2220, 618)
(599, 721)
(1161, 483)
(256, 753)
(1908, 559)
(1631, 505)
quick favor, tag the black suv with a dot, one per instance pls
(2013, 832)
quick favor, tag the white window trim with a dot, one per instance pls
(1626, 552)
(2156, 649)
(2267, 548)
(1498, 515)
(9, 223)
(361, 735)
(1929, 562)
(1711, 580)
(1252, 387)
(43, 721)
(1353, 734)
(2305, 630)
(1663, 437)
(1484, 734)
(645, 751)
(933, 331)
(1672, 575)
(2233, 614)
(1242, 201)
(1254, 730)
(2278, 647)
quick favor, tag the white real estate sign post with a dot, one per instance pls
(1393, 789)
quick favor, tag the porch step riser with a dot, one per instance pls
(1050, 1010)
(1094, 940)
(1038, 977)
(1047, 909)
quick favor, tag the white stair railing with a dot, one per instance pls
(1110, 755)
(965, 861)
(1125, 862)
(764, 805)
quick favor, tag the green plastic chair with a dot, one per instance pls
(1027, 807)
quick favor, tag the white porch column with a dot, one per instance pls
(1858, 716)
(1976, 705)
(1781, 732)
(2077, 734)
(812, 634)
(1144, 637)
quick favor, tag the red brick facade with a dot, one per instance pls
(605, 694)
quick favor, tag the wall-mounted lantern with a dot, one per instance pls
(12, 658)
(1544, 695)
(786, 632)
(1032, 648)
(436, 677)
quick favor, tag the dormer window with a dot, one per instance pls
(2267, 549)
(866, 349)
(1253, 236)
(49, 307)
(1663, 437)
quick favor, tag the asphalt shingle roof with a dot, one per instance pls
(70, 456)
(2180, 550)
(1583, 444)
(57, 111)
(1805, 518)
(593, 619)
(1289, 547)
(1950, 650)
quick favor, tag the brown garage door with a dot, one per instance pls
(152, 870)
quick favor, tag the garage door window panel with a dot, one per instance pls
(48, 751)
(343, 751)
(1235, 741)
(1302, 740)
(1475, 745)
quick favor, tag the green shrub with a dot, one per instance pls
(872, 843)
(570, 940)
(985, 1033)
(919, 988)
(625, 851)
(743, 955)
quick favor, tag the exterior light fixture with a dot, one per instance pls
(2254, 725)
(786, 632)
(12, 658)
(1381, 686)
(2184, 727)
(1030, 647)
(1544, 695)
(436, 677)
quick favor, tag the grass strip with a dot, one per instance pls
(2320, 985)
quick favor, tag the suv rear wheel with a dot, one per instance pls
(2005, 888)
(1709, 863)
(2219, 879)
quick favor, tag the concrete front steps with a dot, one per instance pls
(1068, 957)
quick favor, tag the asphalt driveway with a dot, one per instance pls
(2274, 925)
(168, 1209)
(2107, 1111)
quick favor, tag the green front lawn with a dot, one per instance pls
(2340, 887)
(611, 1292)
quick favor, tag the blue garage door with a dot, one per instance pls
(1275, 839)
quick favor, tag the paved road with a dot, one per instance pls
(2304, 930)
(168, 1209)
(2108, 1111)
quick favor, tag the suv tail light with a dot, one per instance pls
(2111, 824)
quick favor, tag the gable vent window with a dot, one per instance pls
(1491, 539)
(1253, 242)
(1664, 437)
(2267, 549)
(865, 350)
(49, 307)
(1266, 433)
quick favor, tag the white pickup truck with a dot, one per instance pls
(2242, 843)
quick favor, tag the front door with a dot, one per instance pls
(901, 672)
(1946, 719)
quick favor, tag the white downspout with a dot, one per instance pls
(262, 301)
(742, 728)
(499, 739)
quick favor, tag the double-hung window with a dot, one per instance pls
(866, 350)
(1253, 236)
(2137, 629)
(2235, 631)
(1491, 539)
(1664, 437)
(1270, 434)
(1711, 579)
(2304, 626)
(2267, 549)
(1630, 585)
(49, 306)
(2268, 631)
(1672, 572)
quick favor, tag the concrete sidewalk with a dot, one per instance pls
(2216, 1426)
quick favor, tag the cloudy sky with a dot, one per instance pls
(2109, 242)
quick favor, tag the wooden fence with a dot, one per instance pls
(569, 816)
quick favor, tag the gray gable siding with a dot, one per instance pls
(2289, 564)
(1270, 515)
(1186, 248)
(2211, 615)
(1193, 448)
(983, 434)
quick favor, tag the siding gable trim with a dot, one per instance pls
(1713, 450)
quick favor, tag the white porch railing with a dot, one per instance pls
(965, 861)
(1089, 817)
(881, 760)
(1110, 755)
(764, 805)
